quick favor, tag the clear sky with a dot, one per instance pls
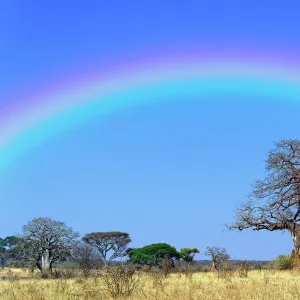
(167, 172)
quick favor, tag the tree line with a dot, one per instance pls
(45, 242)
(274, 204)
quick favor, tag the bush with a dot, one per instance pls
(243, 269)
(87, 259)
(66, 265)
(120, 281)
(283, 262)
(225, 272)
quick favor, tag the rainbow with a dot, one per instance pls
(27, 123)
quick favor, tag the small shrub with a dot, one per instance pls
(66, 270)
(188, 271)
(68, 265)
(283, 262)
(120, 281)
(225, 272)
(243, 269)
(158, 279)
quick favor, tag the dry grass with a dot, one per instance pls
(266, 285)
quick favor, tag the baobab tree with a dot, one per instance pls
(47, 241)
(274, 203)
(218, 255)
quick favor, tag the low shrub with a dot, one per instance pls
(283, 262)
(120, 281)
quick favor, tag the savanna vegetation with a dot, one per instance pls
(49, 260)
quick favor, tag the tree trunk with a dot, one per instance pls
(104, 261)
(46, 264)
(296, 239)
(213, 267)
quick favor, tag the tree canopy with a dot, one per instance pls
(111, 245)
(218, 256)
(274, 203)
(188, 254)
(153, 255)
(8, 247)
(47, 241)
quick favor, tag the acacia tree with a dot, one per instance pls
(274, 203)
(153, 255)
(111, 245)
(47, 241)
(218, 256)
(188, 254)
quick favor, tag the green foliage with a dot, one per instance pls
(153, 255)
(8, 244)
(283, 262)
(8, 248)
(187, 254)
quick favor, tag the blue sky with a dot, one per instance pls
(170, 172)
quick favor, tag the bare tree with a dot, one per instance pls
(86, 257)
(274, 203)
(218, 256)
(111, 245)
(47, 241)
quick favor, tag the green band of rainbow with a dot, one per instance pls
(50, 115)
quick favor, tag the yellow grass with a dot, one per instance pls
(266, 285)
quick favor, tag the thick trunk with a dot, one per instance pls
(46, 263)
(296, 239)
(104, 260)
(213, 267)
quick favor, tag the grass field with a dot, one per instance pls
(264, 285)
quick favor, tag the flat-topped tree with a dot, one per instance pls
(153, 255)
(274, 203)
(111, 245)
(188, 254)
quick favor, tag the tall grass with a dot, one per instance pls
(266, 285)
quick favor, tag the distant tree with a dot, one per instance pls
(153, 255)
(7, 248)
(188, 254)
(283, 262)
(274, 203)
(2, 253)
(86, 257)
(218, 255)
(111, 245)
(47, 241)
